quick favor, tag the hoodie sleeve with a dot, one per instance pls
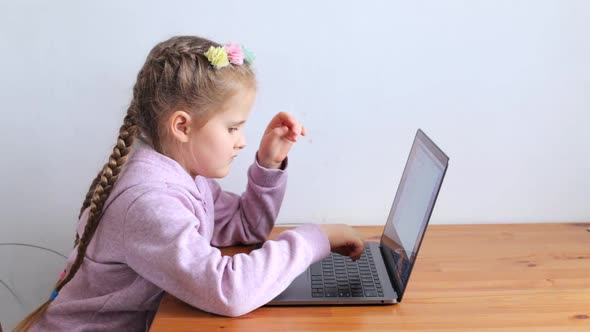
(248, 218)
(163, 245)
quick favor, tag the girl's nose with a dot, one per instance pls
(241, 142)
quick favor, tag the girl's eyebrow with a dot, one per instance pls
(238, 123)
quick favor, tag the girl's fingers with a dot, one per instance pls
(281, 131)
(358, 251)
(284, 132)
(295, 132)
(295, 128)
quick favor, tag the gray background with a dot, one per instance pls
(501, 86)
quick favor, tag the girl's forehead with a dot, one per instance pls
(238, 106)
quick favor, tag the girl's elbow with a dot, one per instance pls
(235, 310)
(235, 305)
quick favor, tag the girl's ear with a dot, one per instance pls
(180, 125)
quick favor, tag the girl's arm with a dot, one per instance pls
(248, 218)
(162, 243)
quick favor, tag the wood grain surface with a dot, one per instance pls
(501, 277)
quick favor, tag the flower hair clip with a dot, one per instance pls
(233, 53)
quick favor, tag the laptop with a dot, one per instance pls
(382, 273)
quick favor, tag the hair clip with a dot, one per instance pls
(53, 295)
(231, 52)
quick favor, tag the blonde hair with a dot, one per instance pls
(175, 74)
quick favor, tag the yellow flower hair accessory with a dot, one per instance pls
(217, 56)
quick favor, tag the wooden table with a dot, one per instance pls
(517, 277)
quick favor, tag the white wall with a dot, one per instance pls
(502, 86)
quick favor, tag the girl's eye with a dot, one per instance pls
(231, 130)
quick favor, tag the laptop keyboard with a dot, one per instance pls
(340, 276)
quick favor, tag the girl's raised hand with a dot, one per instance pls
(280, 134)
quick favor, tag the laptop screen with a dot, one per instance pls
(411, 209)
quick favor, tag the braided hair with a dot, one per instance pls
(176, 74)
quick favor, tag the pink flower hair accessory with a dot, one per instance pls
(235, 54)
(230, 53)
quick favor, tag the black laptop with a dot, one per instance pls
(382, 273)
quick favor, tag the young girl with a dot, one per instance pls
(153, 216)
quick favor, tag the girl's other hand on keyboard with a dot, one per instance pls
(344, 240)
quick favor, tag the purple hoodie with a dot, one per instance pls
(159, 232)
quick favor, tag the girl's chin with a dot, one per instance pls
(219, 173)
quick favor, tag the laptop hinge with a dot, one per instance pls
(388, 267)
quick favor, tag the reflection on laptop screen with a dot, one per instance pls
(412, 207)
